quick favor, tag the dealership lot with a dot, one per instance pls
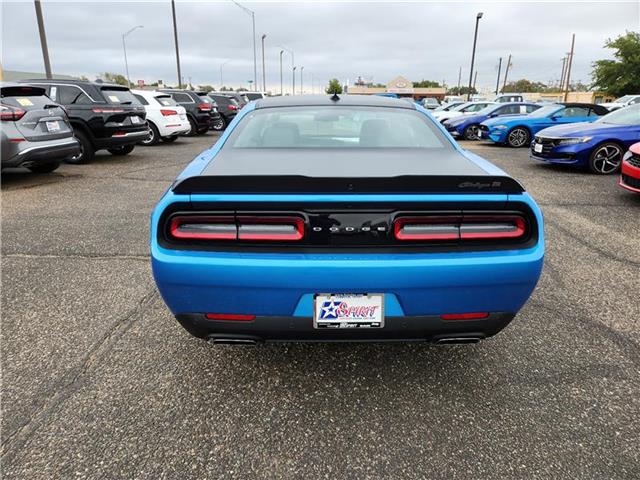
(101, 382)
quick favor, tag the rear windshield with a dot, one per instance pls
(336, 127)
(26, 98)
(122, 97)
(165, 100)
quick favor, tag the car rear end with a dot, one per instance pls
(35, 130)
(117, 121)
(173, 119)
(206, 104)
(345, 247)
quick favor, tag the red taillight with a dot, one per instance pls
(241, 227)
(107, 110)
(168, 113)
(11, 114)
(118, 134)
(465, 316)
(230, 316)
(463, 227)
(204, 107)
(17, 140)
(232, 107)
(204, 228)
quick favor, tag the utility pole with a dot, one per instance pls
(473, 53)
(175, 37)
(264, 75)
(459, 79)
(43, 39)
(293, 69)
(124, 48)
(281, 91)
(564, 69)
(506, 73)
(475, 78)
(498, 80)
(566, 87)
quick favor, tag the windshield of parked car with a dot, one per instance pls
(545, 111)
(123, 97)
(624, 99)
(165, 100)
(336, 127)
(624, 116)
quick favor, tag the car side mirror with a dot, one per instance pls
(555, 117)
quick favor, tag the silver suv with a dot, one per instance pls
(36, 132)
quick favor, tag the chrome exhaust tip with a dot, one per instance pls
(232, 341)
(458, 340)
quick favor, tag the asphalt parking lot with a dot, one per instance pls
(100, 381)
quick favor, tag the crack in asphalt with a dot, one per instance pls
(12, 443)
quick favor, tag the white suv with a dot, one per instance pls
(166, 118)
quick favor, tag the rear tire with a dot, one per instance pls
(606, 158)
(219, 124)
(154, 136)
(44, 167)
(87, 152)
(472, 132)
(518, 137)
(121, 151)
(169, 139)
(194, 128)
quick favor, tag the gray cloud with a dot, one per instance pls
(376, 40)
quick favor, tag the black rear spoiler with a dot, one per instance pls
(204, 184)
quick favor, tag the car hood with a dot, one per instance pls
(584, 129)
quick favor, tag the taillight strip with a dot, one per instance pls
(251, 228)
(270, 228)
(204, 228)
(467, 227)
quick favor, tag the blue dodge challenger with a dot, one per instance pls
(598, 146)
(352, 218)
(518, 131)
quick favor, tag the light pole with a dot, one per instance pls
(43, 39)
(301, 84)
(124, 48)
(255, 58)
(473, 54)
(281, 52)
(175, 38)
(264, 75)
(222, 65)
(293, 69)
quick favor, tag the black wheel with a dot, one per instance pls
(154, 136)
(87, 152)
(170, 139)
(472, 132)
(194, 128)
(606, 158)
(44, 167)
(119, 151)
(518, 137)
(219, 124)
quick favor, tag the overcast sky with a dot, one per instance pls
(377, 40)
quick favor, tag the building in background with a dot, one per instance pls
(399, 86)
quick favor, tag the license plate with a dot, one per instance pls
(53, 126)
(342, 310)
(537, 148)
(136, 120)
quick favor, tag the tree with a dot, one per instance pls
(620, 76)
(115, 78)
(426, 84)
(461, 91)
(207, 88)
(525, 86)
(334, 87)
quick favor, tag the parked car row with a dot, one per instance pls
(46, 122)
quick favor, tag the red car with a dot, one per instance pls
(630, 174)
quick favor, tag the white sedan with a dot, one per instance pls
(166, 118)
(467, 108)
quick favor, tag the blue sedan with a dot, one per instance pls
(468, 126)
(519, 131)
(353, 218)
(598, 146)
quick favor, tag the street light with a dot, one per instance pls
(222, 65)
(253, 22)
(124, 48)
(293, 69)
(473, 54)
(281, 52)
(301, 87)
(264, 75)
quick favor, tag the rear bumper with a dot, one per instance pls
(128, 138)
(43, 152)
(174, 128)
(301, 329)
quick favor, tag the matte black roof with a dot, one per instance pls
(599, 109)
(322, 100)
